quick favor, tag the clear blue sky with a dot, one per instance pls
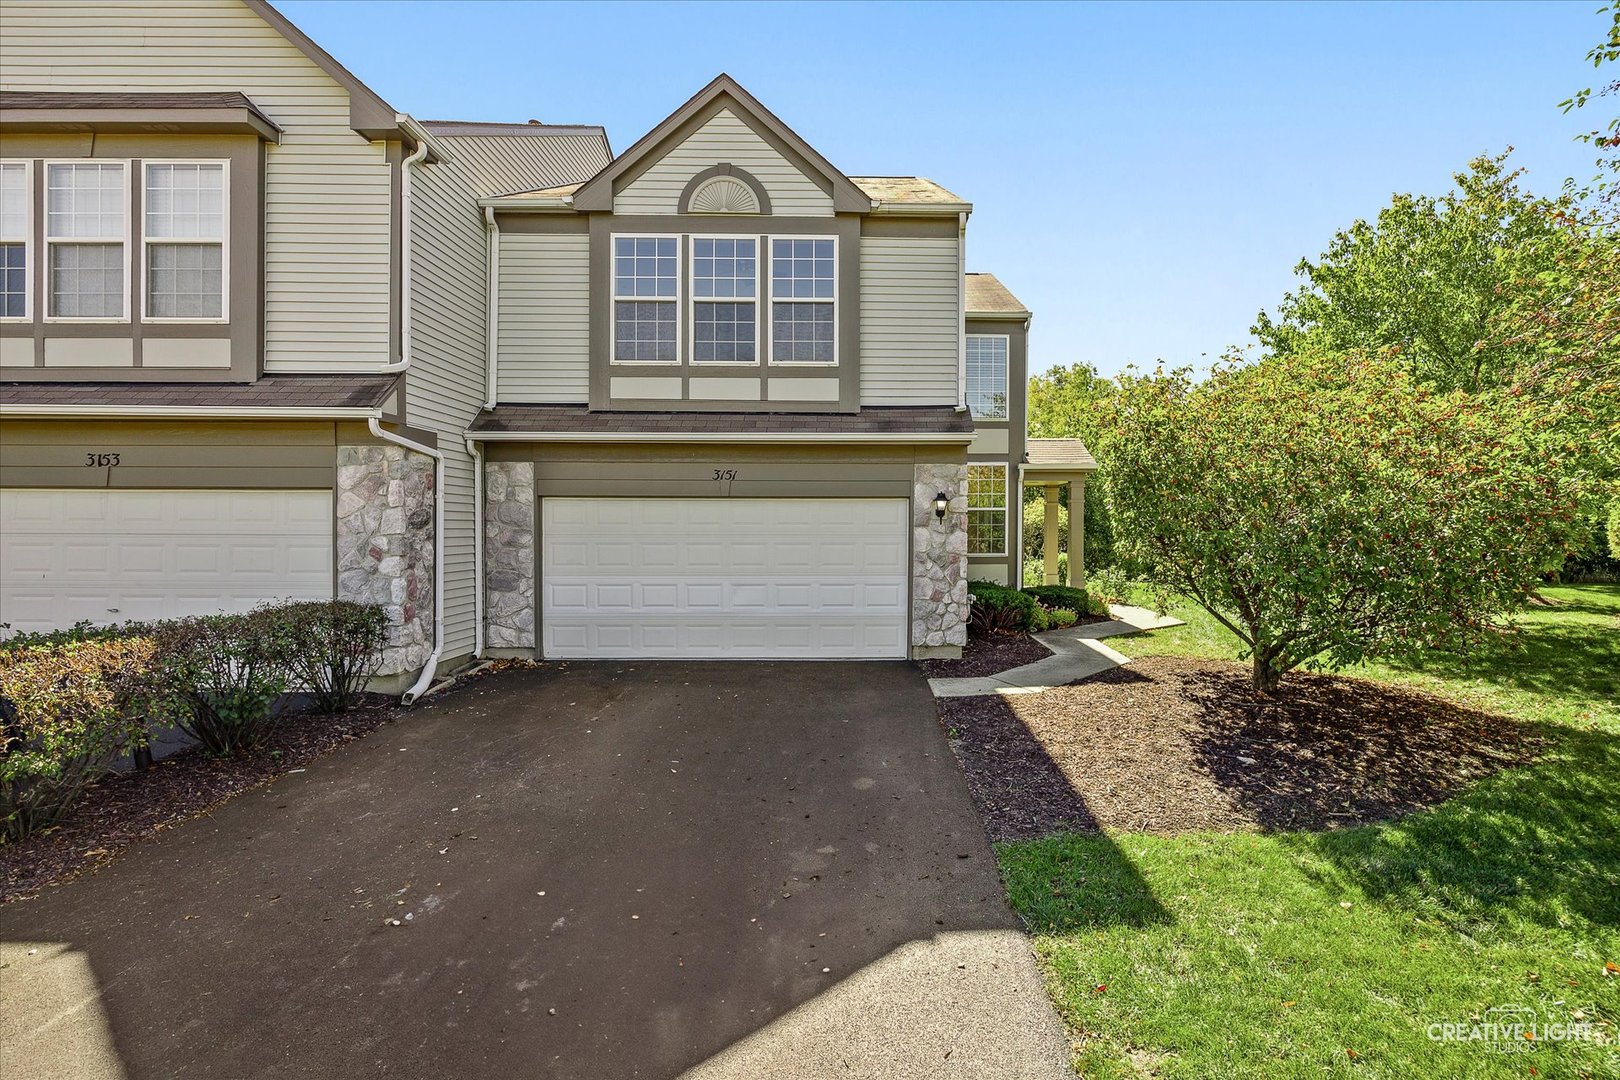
(1144, 177)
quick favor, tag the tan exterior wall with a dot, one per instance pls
(166, 453)
(444, 388)
(911, 320)
(544, 326)
(724, 138)
(328, 216)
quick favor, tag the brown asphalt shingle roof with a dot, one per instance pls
(917, 420)
(986, 295)
(291, 391)
(48, 99)
(904, 189)
(1058, 454)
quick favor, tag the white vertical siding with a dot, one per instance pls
(911, 319)
(444, 388)
(544, 326)
(327, 188)
(727, 139)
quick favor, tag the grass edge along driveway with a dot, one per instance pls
(1332, 954)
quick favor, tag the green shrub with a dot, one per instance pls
(1059, 618)
(1109, 586)
(1055, 596)
(996, 609)
(65, 712)
(84, 630)
(333, 648)
(218, 676)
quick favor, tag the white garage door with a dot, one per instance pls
(108, 555)
(735, 578)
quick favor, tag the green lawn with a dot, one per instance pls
(1331, 954)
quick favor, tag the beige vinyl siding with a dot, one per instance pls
(444, 388)
(544, 326)
(727, 139)
(327, 206)
(911, 321)
(502, 164)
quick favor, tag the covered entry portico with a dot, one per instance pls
(1051, 464)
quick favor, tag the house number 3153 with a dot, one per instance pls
(100, 461)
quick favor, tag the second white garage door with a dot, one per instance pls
(731, 578)
(111, 555)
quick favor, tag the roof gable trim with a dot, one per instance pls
(723, 92)
(369, 114)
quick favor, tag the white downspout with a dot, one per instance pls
(493, 320)
(431, 666)
(961, 311)
(477, 451)
(405, 198)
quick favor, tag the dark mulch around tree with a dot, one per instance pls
(1169, 745)
(987, 655)
(126, 807)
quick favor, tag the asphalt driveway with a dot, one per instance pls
(598, 870)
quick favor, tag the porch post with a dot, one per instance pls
(1077, 533)
(1049, 536)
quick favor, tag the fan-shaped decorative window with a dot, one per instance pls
(723, 195)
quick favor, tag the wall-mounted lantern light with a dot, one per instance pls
(942, 503)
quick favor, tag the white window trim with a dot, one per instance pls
(695, 300)
(29, 220)
(772, 301)
(1006, 378)
(1006, 512)
(126, 239)
(679, 300)
(224, 243)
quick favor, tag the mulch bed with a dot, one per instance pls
(126, 807)
(1170, 745)
(988, 655)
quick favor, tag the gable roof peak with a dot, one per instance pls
(598, 192)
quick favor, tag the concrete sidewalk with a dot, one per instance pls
(1077, 653)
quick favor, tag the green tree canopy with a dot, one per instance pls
(1423, 281)
(1331, 509)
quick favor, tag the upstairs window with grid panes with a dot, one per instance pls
(15, 199)
(85, 235)
(183, 237)
(987, 376)
(725, 281)
(804, 287)
(646, 299)
(987, 509)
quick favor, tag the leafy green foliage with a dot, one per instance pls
(83, 630)
(1330, 509)
(1070, 403)
(65, 713)
(1605, 190)
(219, 676)
(1108, 586)
(1056, 597)
(1425, 281)
(996, 609)
(333, 648)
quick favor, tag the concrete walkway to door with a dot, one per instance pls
(1077, 653)
(584, 870)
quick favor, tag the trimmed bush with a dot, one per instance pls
(996, 609)
(1058, 618)
(1109, 586)
(84, 630)
(218, 676)
(333, 648)
(65, 714)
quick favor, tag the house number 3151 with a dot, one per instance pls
(725, 474)
(100, 461)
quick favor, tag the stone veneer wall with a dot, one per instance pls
(509, 554)
(385, 544)
(939, 597)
